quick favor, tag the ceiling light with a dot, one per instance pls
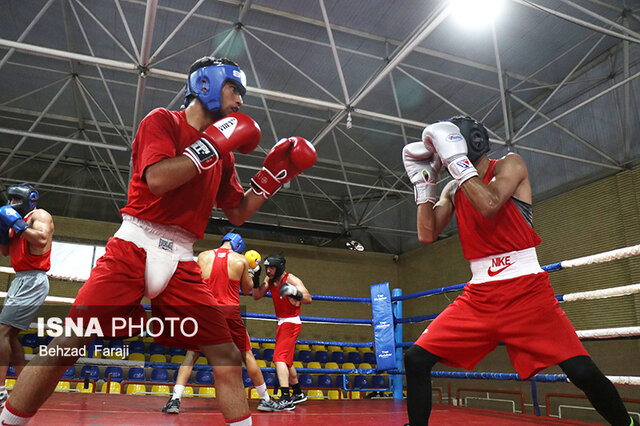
(355, 245)
(475, 13)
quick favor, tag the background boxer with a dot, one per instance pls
(225, 270)
(288, 293)
(182, 165)
(26, 234)
(509, 298)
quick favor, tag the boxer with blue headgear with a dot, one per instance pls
(205, 81)
(236, 241)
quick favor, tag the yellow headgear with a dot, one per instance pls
(253, 257)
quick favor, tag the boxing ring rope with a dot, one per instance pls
(621, 253)
(583, 334)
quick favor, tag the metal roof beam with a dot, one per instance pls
(577, 21)
(26, 32)
(419, 34)
(602, 19)
(567, 131)
(334, 51)
(269, 94)
(559, 86)
(106, 30)
(143, 60)
(35, 124)
(580, 105)
(30, 134)
(175, 30)
(116, 110)
(503, 95)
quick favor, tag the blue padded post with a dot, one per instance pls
(396, 379)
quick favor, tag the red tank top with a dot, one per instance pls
(225, 290)
(282, 306)
(22, 260)
(482, 236)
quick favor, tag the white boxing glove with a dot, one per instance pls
(422, 168)
(444, 138)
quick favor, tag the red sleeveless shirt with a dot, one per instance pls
(483, 236)
(225, 290)
(282, 306)
(22, 260)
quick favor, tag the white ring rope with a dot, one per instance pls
(625, 380)
(604, 333)
(607, 256)
(8, 270)
(602, 294)
(50, 299)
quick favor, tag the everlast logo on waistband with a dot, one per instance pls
(165, 244)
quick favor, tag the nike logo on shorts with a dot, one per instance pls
(494, 272)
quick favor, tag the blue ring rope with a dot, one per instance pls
(311, 319)
(415, 319)
(303, 318)
(316, 342)
(550, 378)
(548, 268)
(552, 267)
(328, 298)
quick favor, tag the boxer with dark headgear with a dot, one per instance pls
(509, 297)
(474, 134)
(277, 261)
(288, 293)
(26, 236)
(25, 197)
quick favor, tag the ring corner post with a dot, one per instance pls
(397, 379)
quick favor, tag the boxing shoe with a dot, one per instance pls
(297, 398)
(172, 407)
(270, 405)
(287, 404)
(3, 398)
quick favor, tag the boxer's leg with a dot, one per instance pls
(173, 405)
(418, 364)
(39, 378)
(583, 372)
(227, 368)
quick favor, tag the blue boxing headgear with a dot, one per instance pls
(236, 241)
(27, 195)
(206, 83)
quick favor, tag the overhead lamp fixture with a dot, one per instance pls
(349, 124)
(475, 14)
(355, 245)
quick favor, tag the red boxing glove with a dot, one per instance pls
(286, 160)
(236, 131)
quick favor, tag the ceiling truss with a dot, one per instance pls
(391, 191)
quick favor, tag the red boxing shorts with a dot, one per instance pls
(184, 315)
(237, 329)
(286, 336)
(521, 312)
